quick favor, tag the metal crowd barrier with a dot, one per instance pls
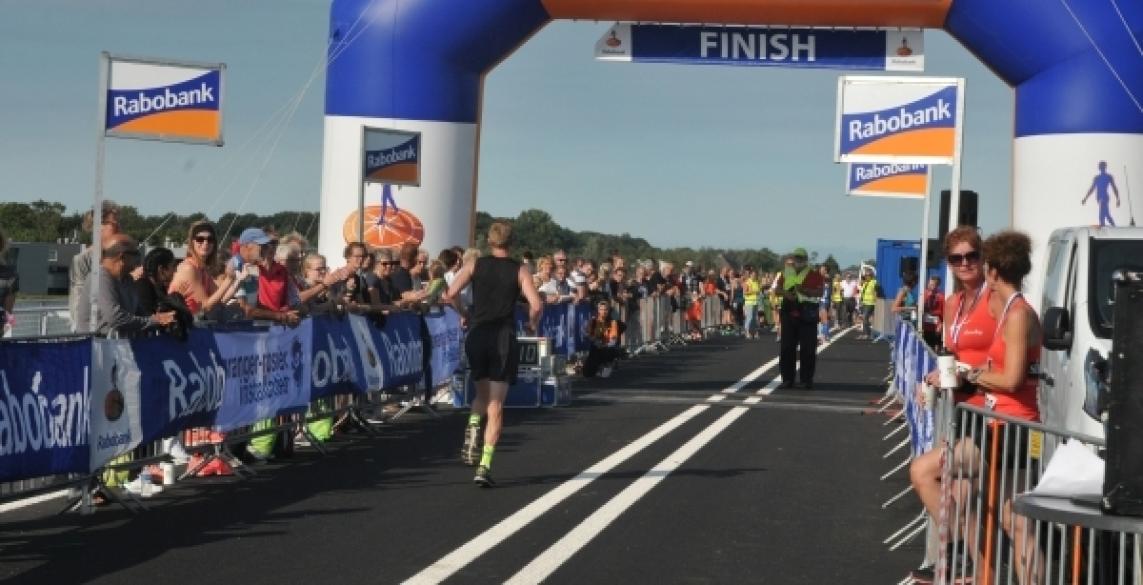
(656, 325)
(47, 319)
(998, 458)
(357, 410)
(991, 529)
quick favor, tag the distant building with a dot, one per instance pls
(43, 267)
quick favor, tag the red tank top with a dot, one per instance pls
(1022, 402)
(969, 334)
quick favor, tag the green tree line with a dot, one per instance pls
(534, 229)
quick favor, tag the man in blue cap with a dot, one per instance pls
(801, 288)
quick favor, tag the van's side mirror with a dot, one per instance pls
(1057, 329)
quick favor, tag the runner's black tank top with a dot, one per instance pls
(495, 288)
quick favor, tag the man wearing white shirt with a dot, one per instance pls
(849, 289)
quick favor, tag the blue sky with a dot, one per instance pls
(680, 155)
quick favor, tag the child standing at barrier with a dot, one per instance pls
(497, 281)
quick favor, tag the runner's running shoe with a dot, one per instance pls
(483, 477)
(470, 452)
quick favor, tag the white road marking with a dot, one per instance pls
(456, 560)
(556, 555)
(544, 565)
(24, 502)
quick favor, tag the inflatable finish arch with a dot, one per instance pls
(419, 65)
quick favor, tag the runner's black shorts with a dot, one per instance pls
(492, 351)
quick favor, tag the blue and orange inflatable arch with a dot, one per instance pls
(419, 65)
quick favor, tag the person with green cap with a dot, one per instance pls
(801, 288)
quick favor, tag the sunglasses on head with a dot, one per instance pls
(967, 258)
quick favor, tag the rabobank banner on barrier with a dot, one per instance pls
(912, 361)
(154, 99)
(445, 333)
(898, 119)
(267, 373)
(44, 401)
(391, 156)
(877, 50)
(900, 181)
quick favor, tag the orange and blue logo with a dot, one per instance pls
(187, 110)
(923, 128)
(888, 180)
(398, 164)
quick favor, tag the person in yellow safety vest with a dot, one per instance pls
(750, 289)
(801, 288)
(868, 302)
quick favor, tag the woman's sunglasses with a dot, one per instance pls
(967, 258)
(203, 239)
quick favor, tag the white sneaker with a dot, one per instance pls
(141, 489)
(178, 453)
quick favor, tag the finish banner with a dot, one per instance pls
(887, 180)
(873, 50)
(157, 99)
(898, 119)
(44, 401)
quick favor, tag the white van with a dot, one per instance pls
(1076, 311)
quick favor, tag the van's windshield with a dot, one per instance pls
(1107, 256)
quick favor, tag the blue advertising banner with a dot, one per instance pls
(876, 50)
(181, 382)
(400, 348)
(335, 367)
(43, 408)
(445, 333)
(266, 373)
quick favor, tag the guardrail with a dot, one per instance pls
(47, 319)
(993, 527)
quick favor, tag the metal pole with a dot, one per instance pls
(361, 189)
(923, 276)
(954, 194)
(97, 203)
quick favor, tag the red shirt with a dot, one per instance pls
(273, 287)
(934, 311)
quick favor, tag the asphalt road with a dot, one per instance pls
(645, 479)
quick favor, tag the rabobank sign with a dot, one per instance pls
(893, 121)
(391, 156)
(907, 181)
(164, 101)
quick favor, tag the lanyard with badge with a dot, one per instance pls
(959, 322)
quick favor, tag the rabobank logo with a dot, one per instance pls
(925, 127)
(165, 102)
(396, 164)
(889, 180)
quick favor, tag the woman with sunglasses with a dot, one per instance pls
(969, 326)
(193, 279)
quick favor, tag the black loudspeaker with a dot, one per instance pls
(967, 213)
(1123, 476)
(908, 264)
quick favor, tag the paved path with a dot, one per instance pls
(645, 479)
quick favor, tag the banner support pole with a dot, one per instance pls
(954, 193)
(97, 199)
(923, 270)
(361, 189)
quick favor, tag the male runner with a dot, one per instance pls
(1099, 186)
(497, 281)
